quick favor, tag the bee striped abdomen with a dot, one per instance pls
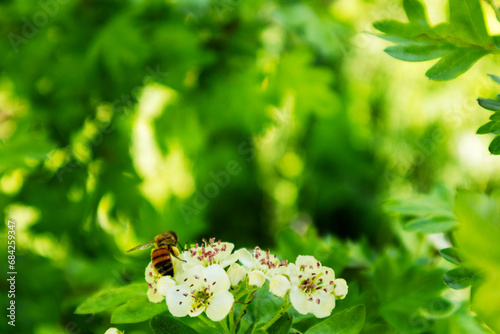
(162, 261)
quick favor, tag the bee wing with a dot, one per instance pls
(142, 247)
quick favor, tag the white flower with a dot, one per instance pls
(201, 289)
(279, 285)
(261, 265)
(236, 274)
(209, 253)
(312, 287)
(340, 288)
(113, 330)
(152, 278)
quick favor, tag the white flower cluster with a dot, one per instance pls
(209, 278)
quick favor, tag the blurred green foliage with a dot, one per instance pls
(270, 123)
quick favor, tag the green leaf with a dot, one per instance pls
(454, 63)
(264, 305)
(282, 325)
(346, 322)
(430, 225)
(163, 324)
(137, 310)
(467, 21)
(438, 203)
(495, 117)
(479, 230)
(496, 78)
(415, 11)
(486, 302)
(397, 28)
(416, 52)
(451, 255)
(111, 297)
(460, 278)
(486, 128)
(494, 147)
(490, 104)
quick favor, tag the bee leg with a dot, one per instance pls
(180, 246)
(178, 257)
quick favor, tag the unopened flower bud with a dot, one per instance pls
(279, 285)
(256, 278)
(236, 274)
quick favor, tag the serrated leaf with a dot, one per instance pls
(282, 325)
(137, 310)
(494, 146)
(415, 11)
(108, 298)
(460, 278)
(451, 255)
(431, 225)
(467, 21)
(416, 52)
(346, 322)
(454, 63)
(496, 78)
(163, 324)
(490, 104)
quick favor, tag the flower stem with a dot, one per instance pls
(232, 327)
(283, 310)
(224, 326)
(207, 321)
(244, 307)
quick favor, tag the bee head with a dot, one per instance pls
(166, 239)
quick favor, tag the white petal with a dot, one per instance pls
(229, 247)
(279, 285)
(179, 300)
(223, 254)
(164, 284)
(246, 258)
(340, 289)
(153, 295)
(178, 266)
(220, 305)
(322, 304)
(299, 300)
(189, 265)
(113, 330)
(293, 272)
(216, 278)
(256, 278)
(328, 274)
(150, 274)
(308, 261)
(193, 278)
(229, 260)
(197, 312)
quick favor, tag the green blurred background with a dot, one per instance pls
(240, 120)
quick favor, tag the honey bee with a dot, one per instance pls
(165, 246)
